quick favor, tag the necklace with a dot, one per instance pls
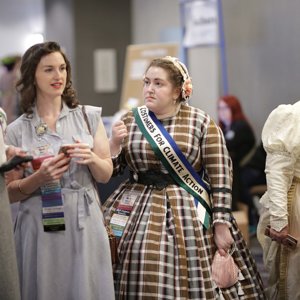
(41, 128)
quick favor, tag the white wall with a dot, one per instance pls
(59, 18)
(18, 20)
(263, 54)
(157, 21)
(262, 43)
(262, 46)
(152, 19)
(204, 70)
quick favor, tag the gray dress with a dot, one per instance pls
(70, 264)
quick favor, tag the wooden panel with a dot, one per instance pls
(138, 58)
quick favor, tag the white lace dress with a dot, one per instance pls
(281, 140)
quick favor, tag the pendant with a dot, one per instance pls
(41, 129)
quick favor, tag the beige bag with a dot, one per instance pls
(224, 270)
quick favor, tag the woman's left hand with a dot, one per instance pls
(82, 152)
(279, 236)
(223, 237)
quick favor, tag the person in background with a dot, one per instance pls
(239, 137)
(9, 278)
(281, 202)
(168, 224)
(9, 97)
(253, 174)
(61, 241)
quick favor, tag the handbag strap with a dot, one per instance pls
(86, 119)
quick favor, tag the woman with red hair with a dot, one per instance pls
(239, 136)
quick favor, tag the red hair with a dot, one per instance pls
(236, 108)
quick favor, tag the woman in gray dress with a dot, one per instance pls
(61, 242)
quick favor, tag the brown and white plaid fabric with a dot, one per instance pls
(165, 252)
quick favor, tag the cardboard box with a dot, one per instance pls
(138, 58)
(241, 217)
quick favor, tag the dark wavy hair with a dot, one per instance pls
(235, 107)
(26, 84)
(174, 74)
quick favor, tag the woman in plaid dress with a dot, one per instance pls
(165, 251)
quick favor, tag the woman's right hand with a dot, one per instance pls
(223, 238)
(53, 168)
(119, 132)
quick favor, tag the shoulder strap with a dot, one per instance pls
(89, 128)
(86, 119)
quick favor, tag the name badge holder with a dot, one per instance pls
(121, 215)
(53, 217)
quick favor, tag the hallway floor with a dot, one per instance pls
(257, 254)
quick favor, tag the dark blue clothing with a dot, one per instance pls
(240, 140)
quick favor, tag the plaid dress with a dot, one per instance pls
(165, 252)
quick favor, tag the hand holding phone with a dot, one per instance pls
(64, 149)
(289, 241)
(37, 161)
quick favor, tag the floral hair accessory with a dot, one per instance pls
(187, 89)
(187, 86)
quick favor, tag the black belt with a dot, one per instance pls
(157, 179)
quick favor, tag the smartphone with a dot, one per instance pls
(37, 161)
(289, 241)
(64, 148)
(14, 162)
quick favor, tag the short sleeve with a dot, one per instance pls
(13, 134)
